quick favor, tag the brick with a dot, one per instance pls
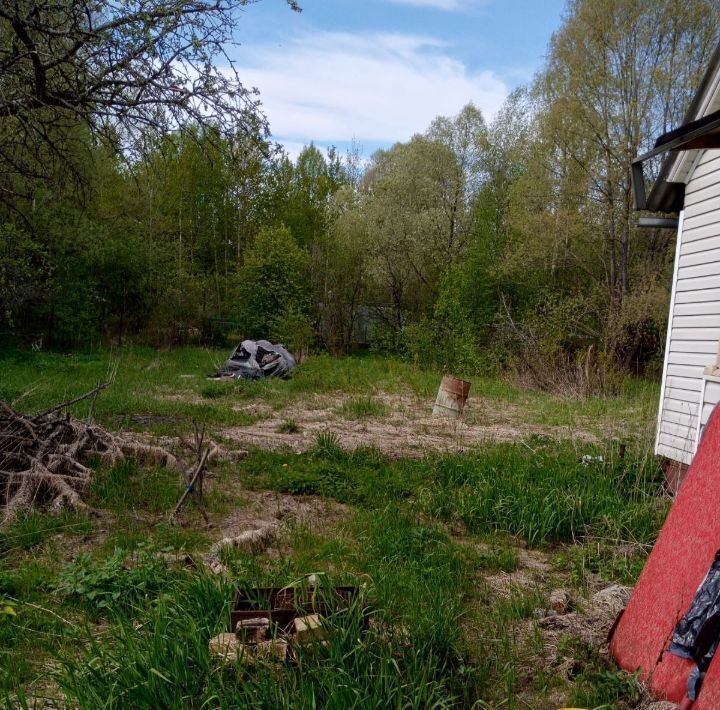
(226, 647)
(309, 628)
(560, 601)
(252, 630)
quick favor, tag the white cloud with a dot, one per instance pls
(449, 5)
(379, 88)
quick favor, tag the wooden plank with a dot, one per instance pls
(710, 162)
(697, 284)
(697, 217)
(678, 431)
(685, 370)
(698, 258)
(690, 384)
(701, 308)
(698, 296)
(712, 392)
(697, 334)
(690, 396)
(704, 188)
(679, 443)
(687, 420)
(706, 412)
(711, 267)
(696, 321)
(675, 405)
(702, 359)
(705, 347)
(673, 454)
(704, 238)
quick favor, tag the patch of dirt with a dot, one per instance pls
(408, 429)
(263, 508)
(534, 572)
(146, 420)
(579, 626)
(562, 632)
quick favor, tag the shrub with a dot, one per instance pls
(274, 286)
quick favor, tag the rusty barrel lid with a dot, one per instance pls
(453, 385)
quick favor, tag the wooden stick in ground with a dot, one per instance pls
(190, 486)
(198, 498)
(92, 406)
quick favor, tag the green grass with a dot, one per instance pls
(102, 618)
(31, 529)
(362, 408)
(126, 487)
(546, 495)
(164, 391)
(289, 426)
(158, 656)
(543, 495)
(500, 559)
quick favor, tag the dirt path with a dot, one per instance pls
(407, 429)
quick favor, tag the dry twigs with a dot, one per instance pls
(194, 482)
(42, 458)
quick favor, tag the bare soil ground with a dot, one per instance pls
(407, 429)
(261, 508)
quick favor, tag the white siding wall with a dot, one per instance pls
(694, 325)
(711, 396)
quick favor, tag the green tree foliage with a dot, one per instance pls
(125, 71)
(477, 244)
(273, 291)
(341, 273)
(618, 73)
(22, 264)
(414, 212)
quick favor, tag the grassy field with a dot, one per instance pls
(457, 550)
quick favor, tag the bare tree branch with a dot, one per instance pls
(127, 71)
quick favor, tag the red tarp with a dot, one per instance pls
(675, 569)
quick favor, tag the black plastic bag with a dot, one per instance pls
(697, 634)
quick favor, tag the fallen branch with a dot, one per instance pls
(69, 403)
(42, 457)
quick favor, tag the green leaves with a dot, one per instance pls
(274, 292)
(116, 583)
(7, 608)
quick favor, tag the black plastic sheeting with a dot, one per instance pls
(254, 360)
(697, 634)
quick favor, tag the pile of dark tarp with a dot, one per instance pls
(697, 634)
(255, 360)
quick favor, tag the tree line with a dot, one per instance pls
(476, 245)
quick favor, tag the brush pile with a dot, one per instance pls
(43, 459)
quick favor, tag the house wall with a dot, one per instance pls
(694, 326)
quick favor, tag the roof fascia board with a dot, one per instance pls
(679, 141)
(707, 101)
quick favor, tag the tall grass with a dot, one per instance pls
(544, 493)
(156, 654)
(165, 391)
(547, 495)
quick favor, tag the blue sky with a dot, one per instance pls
(378, 71)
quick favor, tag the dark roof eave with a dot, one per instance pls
(666, 196)
(669, 196)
